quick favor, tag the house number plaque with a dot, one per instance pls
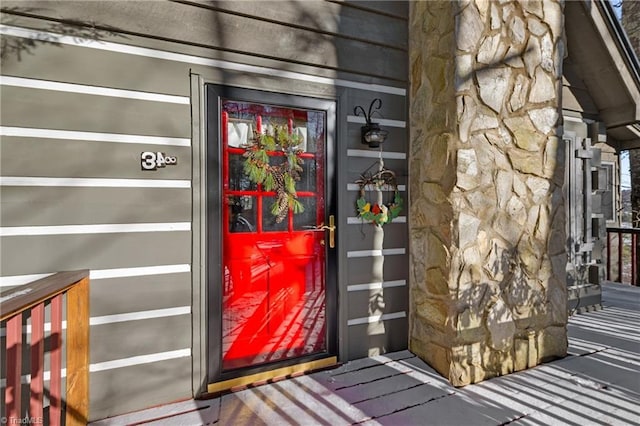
(150, 160)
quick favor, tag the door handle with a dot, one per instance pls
(332, 230)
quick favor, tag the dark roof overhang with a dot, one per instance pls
(604, 60)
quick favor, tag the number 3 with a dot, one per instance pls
(148, 160)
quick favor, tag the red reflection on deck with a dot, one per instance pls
(273, 299)
(273, 305)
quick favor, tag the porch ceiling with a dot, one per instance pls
(603, 59)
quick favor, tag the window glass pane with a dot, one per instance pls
(239, 132)
(276, 160)
(314, 130)
(269, 220)
(307, 180)
(240, 112)
(238, 179)
(309, 126)
(242, 214)
(273, 297)
(302, 221)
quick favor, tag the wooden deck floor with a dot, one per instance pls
(598, 383)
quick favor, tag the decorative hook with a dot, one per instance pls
(366, 116)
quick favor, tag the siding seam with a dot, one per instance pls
(355, 220)
(301, 27)
(93, 182)
(31, 83)
(381, 121)
(140, 359)
(376, 154)
(377, 318)
(117, 363)
(102, 274)
(371, 187)
(190, 59)
(33, 132)
(376, 253)
(376, 285)
(104, 228)
(140, 315)
(116, 318)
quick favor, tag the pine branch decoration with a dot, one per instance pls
(280, 178)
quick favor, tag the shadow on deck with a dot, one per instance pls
(598, 383)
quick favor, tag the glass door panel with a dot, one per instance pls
(273, 296)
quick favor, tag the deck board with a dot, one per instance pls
(369, 391)
(598, 383)
(166, 414)
(385, 405)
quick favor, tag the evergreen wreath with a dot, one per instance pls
(280, 178)
(383, 213)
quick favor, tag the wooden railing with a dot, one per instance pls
(29, 301)
(626, 253)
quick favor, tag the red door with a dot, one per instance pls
(273, 257)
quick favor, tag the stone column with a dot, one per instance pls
(487, 222)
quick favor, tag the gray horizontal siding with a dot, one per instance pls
(171, 62)
(27, 206)
(393, 107)
(161, 66)
(135, 338)
(45, 254)
(380, 301)
(364, 235)
(380, 334)
(47, 109)
(396, 139)
(331, 47)
(357, 165)
(136, 347)
(142, 293)
(127, 389)
(64, 158)
(98, 67)
(338, 18)
(378, 338)
(392, 7)
(233, 33)
(360, 270)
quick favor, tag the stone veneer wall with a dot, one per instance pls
(487, 220)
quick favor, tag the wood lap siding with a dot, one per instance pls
(94, 159)
(43, 254)
(96, 206)
(115, 344)
(334, 19)
(199, 26)
(99, 67)
(352, 42)
(92, 113)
